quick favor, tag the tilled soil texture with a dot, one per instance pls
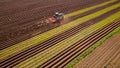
(16, 59)
(20, 23)
(114, 61)
(106, 55)
(66, 56)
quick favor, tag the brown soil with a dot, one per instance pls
(18, 23)
(16, 59)
(114, 62)
(105, 56)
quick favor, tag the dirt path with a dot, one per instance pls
(105, 56)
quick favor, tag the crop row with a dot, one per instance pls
(15, 49)
(63, 58)
(47, 43)
(59, 47)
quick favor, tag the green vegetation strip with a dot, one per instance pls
(88, 9)
(40, 58)
(89, 50)
(42, 37)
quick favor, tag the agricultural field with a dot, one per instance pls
(105, 56)
(27, 40)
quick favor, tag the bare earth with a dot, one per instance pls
(105, 56)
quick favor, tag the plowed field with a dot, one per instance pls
(105, 56)
(27, 41)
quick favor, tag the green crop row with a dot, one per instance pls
(89, 50)
(88, 9)
(40, 58)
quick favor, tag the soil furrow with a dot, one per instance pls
(76, 54)
(15, 33)
(74, 17)
(102, 55)
(26, 33)
(84, 42)
(27, 6)
(37, 49)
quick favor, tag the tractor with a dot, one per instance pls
(56, 18)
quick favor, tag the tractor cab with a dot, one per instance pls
(57, 17)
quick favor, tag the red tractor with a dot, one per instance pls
(56, 18)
